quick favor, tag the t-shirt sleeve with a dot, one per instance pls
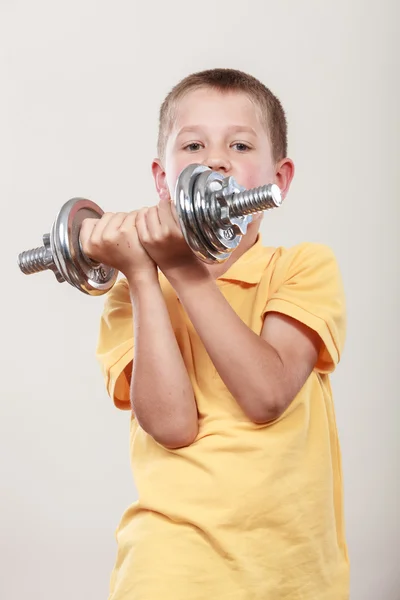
(115, 343)
(307, 286)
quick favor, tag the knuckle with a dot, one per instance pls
(109, 237)
(95, 243)
(144, 236)
(157, 238)
(124, 229)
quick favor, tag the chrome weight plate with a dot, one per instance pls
(208, 208)
(183, 199)
(91, 278)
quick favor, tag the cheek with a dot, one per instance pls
(249, 177)
(173, 169)
(175, 166)
(252, 175)
(172, 176)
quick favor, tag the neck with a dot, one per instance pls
(248, 240)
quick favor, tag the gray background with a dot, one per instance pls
(81, 84)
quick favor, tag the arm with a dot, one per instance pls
(264, 373)
(162, 397)
(161, 392)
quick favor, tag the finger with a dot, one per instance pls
(129, 223)
(153, 223)
(86, 231)
(167, 218)
(128, 227)
(101, 224)
(141, 225)
(110, 231)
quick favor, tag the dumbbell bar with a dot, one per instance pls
(213, 210)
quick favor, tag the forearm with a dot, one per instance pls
(161, 392)
(250, 367)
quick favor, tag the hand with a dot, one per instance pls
(161, 236)
(113, 241)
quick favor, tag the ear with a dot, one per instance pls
(284, 175)
(160, 179)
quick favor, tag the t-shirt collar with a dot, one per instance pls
(251, 265)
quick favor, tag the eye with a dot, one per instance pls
(241, 147)
(193, 147)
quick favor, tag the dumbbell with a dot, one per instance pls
(213, 210)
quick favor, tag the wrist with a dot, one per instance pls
(190, 275)
(191, 282)
(142, 279)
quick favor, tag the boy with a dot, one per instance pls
(225, 369)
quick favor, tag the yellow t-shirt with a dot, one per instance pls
(247, 512)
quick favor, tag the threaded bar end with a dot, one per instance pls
(34, 261)
(254, 200)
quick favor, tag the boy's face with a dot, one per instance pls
(224, 132)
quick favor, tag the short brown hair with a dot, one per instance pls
(226, 80)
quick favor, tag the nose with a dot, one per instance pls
(218, 163)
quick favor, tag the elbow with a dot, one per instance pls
(174, 436)
(173, 440)
(265, 410)
(176, 442)
(263, 416)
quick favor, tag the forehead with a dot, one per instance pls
(213, 108)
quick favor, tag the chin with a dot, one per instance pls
(256, 221)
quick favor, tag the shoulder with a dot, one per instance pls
(306, 259)
(306, 285)
(306, 251)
